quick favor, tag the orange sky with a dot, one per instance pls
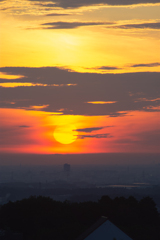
(79, 77)
(33, 132)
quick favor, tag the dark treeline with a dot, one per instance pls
(40, 218)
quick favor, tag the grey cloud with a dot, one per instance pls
(117, 114)
(106, 135)
(56, 14)
(88, 129)
(70, 25)
(126, 89)
(76, 4)
(155, 25)
(146, 65)
(107, 68)
(49, 5)
(24, 126)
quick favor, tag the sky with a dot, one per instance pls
(79, 77)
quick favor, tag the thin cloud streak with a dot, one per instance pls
(105, 135)
(56, 14)
(146, 65)
(88, 129)
(65, 4)
(24, 126)
(155, 25)
(107, 68)
(71, 25)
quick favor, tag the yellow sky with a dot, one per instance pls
(84, 48)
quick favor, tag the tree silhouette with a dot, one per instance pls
(43, 218)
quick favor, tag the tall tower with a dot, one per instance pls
(67, 167)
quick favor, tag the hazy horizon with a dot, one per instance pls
(80, 159)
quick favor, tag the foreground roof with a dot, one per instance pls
(103, 229)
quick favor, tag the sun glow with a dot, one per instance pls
(65, 134)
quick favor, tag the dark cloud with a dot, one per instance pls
(146, 65)
(155, 25)
(105, 135)
(80, 3)
(107, 68)
(70, 25)
(56, 14)
(24, 126)
(129, 91)
(88, 129)
(49, 5)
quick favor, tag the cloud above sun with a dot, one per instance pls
(149, 25)
(76, 4)
(71, 25)
(88, 129)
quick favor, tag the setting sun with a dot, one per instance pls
(65, 134)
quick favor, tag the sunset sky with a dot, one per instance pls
(79, 76)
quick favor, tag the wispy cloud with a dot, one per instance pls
(88, 129)
(83, 3)
(57, 14)
(107, 68)
(24, 126)
(70, 25)
(146, 65)
(105, 135)
(150, 25)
